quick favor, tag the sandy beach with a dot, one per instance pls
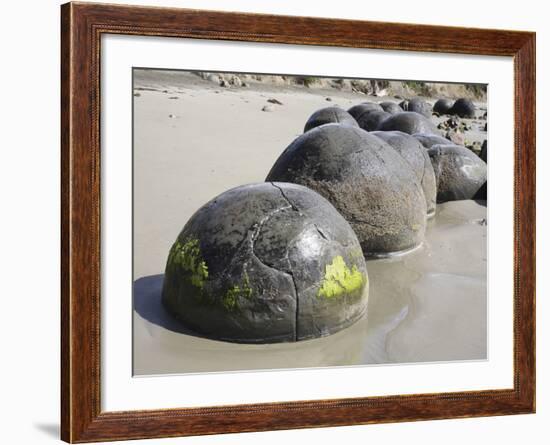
(193, 140)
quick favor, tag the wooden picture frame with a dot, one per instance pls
(82, 26)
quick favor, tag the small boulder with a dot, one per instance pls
(463, 108)
(408, 122)
(371, 120)
(459, 172)
(391, 107)
(357, 110)
(329, 115)
(443, 106)
(417, 105)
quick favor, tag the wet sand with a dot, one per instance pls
(194, 140)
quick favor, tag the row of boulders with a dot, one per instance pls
(372, 118)
(284, 260)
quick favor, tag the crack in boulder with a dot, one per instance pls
(256, 228)
(290, 203)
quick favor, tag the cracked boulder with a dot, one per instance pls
(459, 172)
(408, 122)
(417, 157)
(266, 263)
(329, 115)
(367, 181)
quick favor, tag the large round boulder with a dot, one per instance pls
(443, 106)
(329, 115)
(371, 185)
(417, 105)
(459, 172)
(391, 107)
(417, 157)
(357, 110)
(429, 140)
(371, 120)
(464, 108)
(264, 263)
(408, 122)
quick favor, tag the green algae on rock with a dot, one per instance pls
(187, 256)
(234, 293)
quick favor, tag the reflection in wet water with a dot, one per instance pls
(429, 305)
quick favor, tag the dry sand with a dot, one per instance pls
(194, 140)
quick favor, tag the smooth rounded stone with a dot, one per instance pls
(483, 153)
(417, 157)
(408, 122)
(329, 115)
(443, 106)
(463, 108)
(391, 107)
(459, 172)
(367, 181)
(371, 120)
(265, 263)
(429, 140)
(357, 110)
(417, 105)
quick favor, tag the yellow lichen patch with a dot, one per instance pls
(230, 298)
(187, 255)
(339, 279)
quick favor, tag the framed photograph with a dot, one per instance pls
(274, 222)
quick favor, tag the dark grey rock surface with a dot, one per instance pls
(429, 140)
(329, 115)
(357, 110)
(265, 263)
(417, 105)
(408, 122)
(391, 107)
(417, 157)
(483, 153)
(463, 108)
(368, 181)
(443, 106)
(459, 172)
(371, 120)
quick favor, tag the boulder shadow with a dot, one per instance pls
(147, 303)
